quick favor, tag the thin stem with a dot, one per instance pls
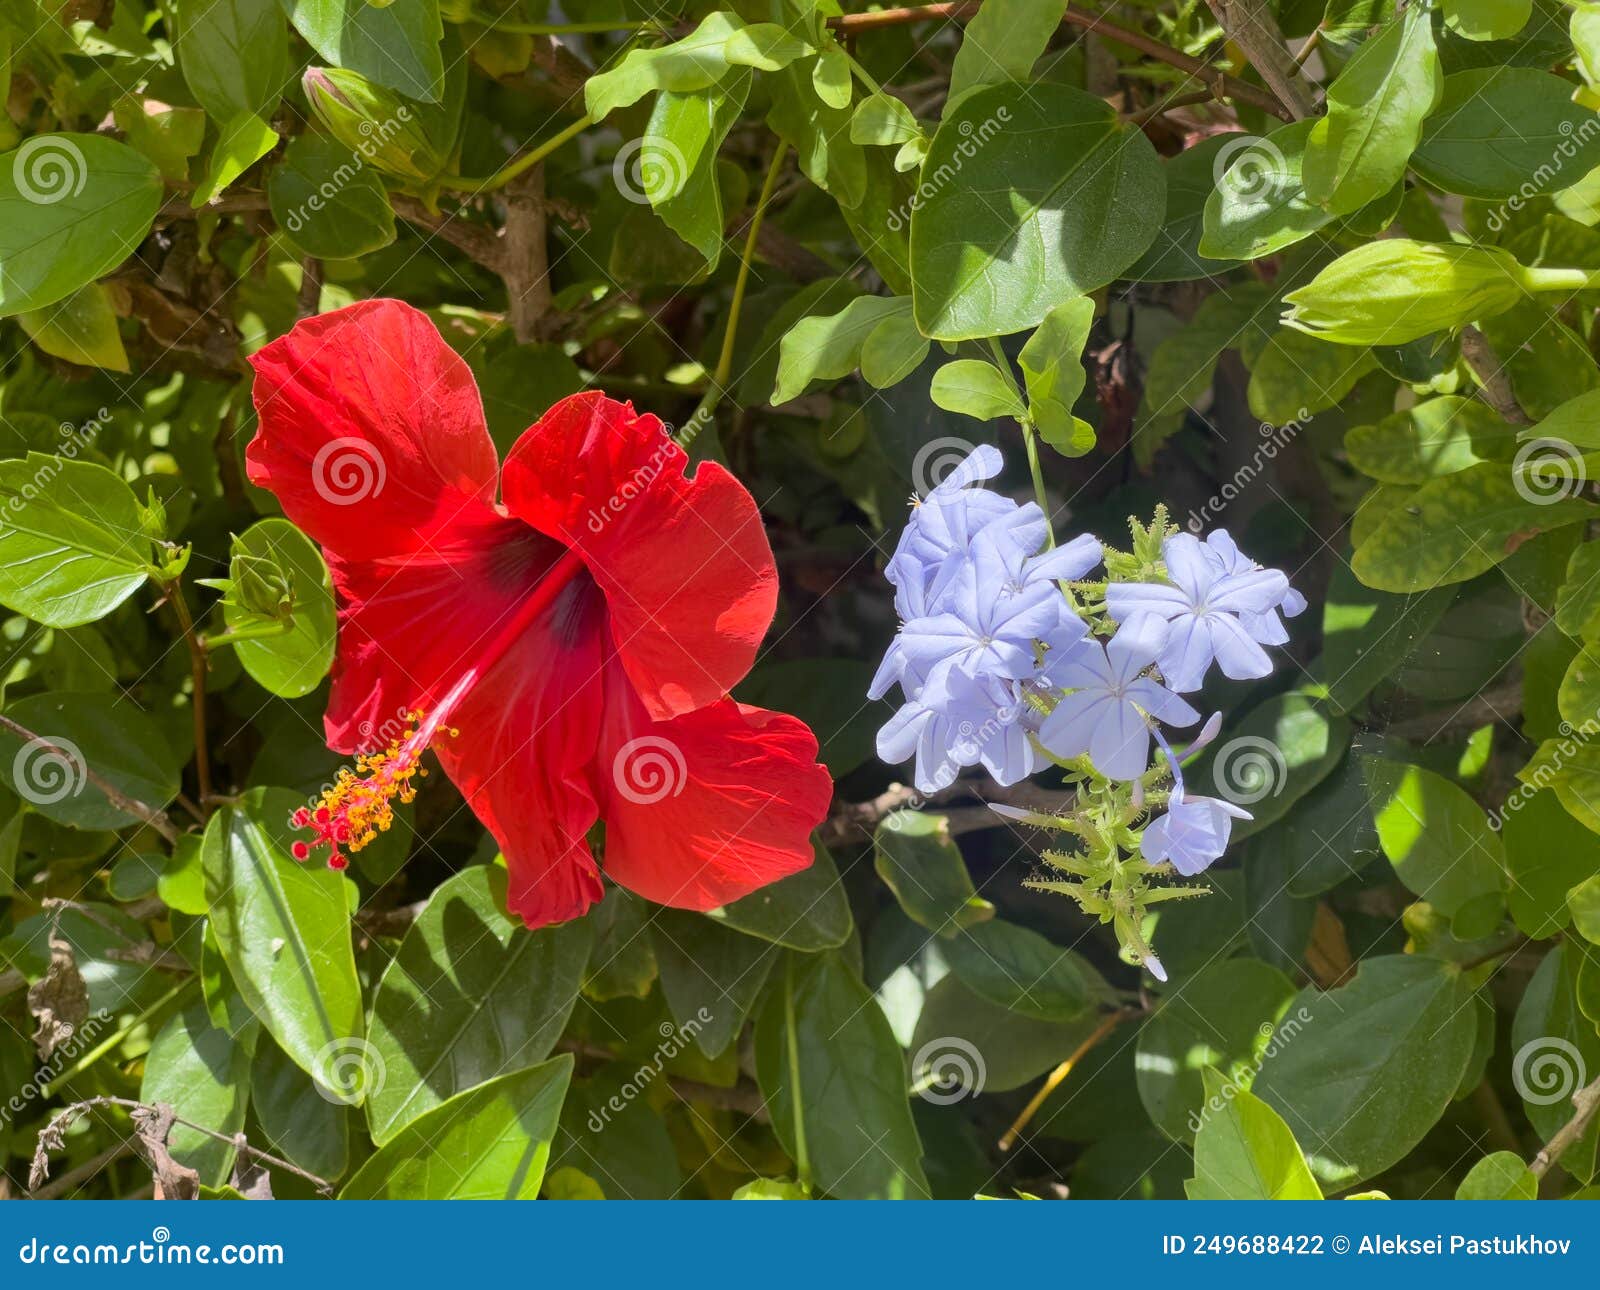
(197, 669)
(156, 819)
(515, 167)
(1106, 1026)
(262, 631)
(802, 1159)
(557, 28)
(1587, 1102)
(1030, 439)
(719, 378)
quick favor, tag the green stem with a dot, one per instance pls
(719, 378)
(802, 1158)
(508, 172)
(260, 632)
(1559, 279)
(1030, 439)
(862, 74)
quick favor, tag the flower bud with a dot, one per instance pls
(1396, 290)
(391, 133)
(261, 586)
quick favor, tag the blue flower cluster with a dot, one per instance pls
(999, 667)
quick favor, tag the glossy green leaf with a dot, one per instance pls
(1002, 41)
(1431, 439)
(203, 1073)
(1053, 375)
(1547, 854)
(917, 858)
(81, 329)
(1436, 837)
(1039, 195)
(710, 975)
(806, 911)
(72, 208)
(1021, 970)
(294, 662)
(242, 142)
(395, 44)
(1554, 1052)
(284, 929)
(328, 201)
(489, 1143)
(827, 347)
(975, 387)
(234, 55)
(1244, 1150)
(1503, 1175)
(470, 995)
(302, 1123)
(1367, 634)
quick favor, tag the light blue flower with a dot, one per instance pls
(1107, 714)
(977, 721)
(1194, 831)
(1204, 607)
(1265, 628)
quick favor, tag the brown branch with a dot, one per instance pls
(1498, 704)
(156, 819)
(1494, 386)
(1586, 1101)
(856, 821)
(1221, 82)
(1251, 26)
(478, 243)
(526, 262)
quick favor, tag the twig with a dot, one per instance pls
(526, 258)
(1224, 84)
(1494, 387)
(1587, 1102)
(1109, 1023)
(156, 819)
(1498, 704)
(850, 820)
(1251, 26)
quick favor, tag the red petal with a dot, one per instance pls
(709, 806)
(522, 758)
(371, 432)
(685, 565)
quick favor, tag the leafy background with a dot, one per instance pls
(838, 250)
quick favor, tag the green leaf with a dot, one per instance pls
(395, 44)
(1282, 749)
(1555, 1051)
(1373, 1067)
(918, 860)
(244, 140)
(1054, 376)
(1431, 439)
(1547, 854)
(1368, 635)
(1002, 41)
(1244, 1150)
(1486, 20)
(1434, 834)
(72, 540)
(234, 55)
(284, 931)
(806, 911)
(292, 663)
(881, 119)
(1020, 970)
(1454, 528)
(83, 732)
(834, 1083)
(975, 387)
(81, 329)
(622, 958)
(470, 995)
(697, 61)
(1499, 128)
(1500, 1176)
(301, 1122)
(1194, 178)
(328, 201)
(1584, 902)
(710, 975)
(1223, 1018)
(203, 1073)
(831, 77)
(771, 1189)
(891, 352)
(678, 159)
(1297, 375)
(1258, 204)
(965, 1044)
(1376, 106)
(828, 347)
(1572, 770)
(489, 1143)
(168, 135)
(1039, 195)
(72, 208)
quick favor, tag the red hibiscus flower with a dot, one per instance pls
(562, 629)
